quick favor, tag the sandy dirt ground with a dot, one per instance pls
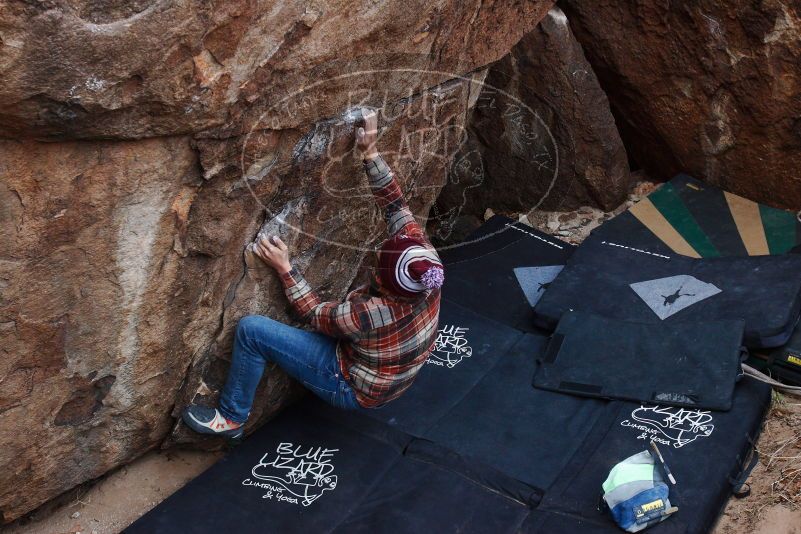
(115, 501)
(774, 506)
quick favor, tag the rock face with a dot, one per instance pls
(118, 69)
(712, 88)
(323, 211)
(177, 130)
(542, 134)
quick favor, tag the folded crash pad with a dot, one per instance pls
(686, 216)
(631, 284)
(678, 364)
(502, 269)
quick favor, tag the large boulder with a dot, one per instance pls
(711, 87)
(175, 132)
(541, 135)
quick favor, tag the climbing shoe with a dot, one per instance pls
(210, 421)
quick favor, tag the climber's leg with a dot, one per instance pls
(309, 357)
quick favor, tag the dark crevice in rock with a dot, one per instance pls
(541, 136)
(84, 402)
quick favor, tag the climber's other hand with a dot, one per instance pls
(273, 252)
(367, 135)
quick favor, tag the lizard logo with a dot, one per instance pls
(295, 474)
(673, 297)
(450, 347)
(671, 426)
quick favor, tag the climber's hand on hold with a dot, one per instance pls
(273, 252)
(367, 136)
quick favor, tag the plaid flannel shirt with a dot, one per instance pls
(384, 340)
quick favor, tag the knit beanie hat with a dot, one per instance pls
(407, 267)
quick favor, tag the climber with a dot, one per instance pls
(367, 350)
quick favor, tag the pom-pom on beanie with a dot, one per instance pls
(406, 267)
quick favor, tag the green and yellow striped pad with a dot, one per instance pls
(687, 217)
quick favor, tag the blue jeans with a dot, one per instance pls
(309, 357)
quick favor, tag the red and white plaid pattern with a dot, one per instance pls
(384, 339)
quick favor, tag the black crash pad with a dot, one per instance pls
(469, 448)
(688, 216)
(481, 272)
(468, 345)
(708, 452)
(782, 362)
(509, 425)
(388, 481)
(227, 498)
(303, 473)
(414, 496)
(693, 364)
(601, 277)
(476, 412)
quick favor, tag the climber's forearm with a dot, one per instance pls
(382, 181)
(388, 195)
(301, 296)
(337, 319)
